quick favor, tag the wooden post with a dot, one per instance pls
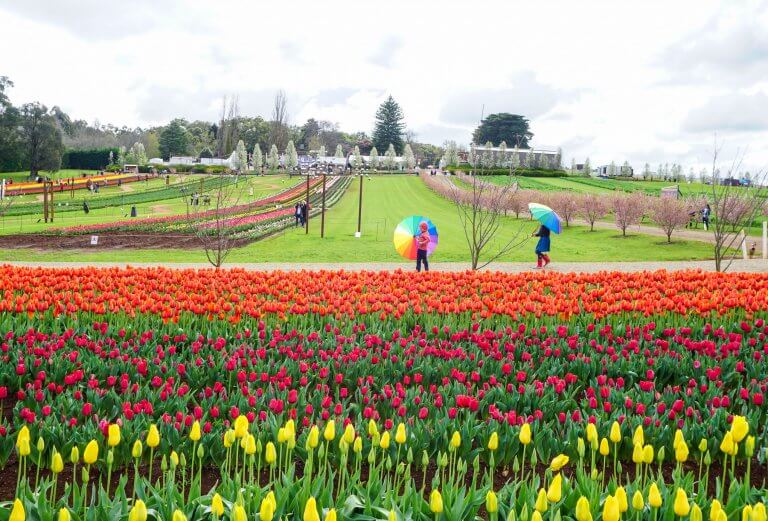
(765, 239)
(72, 186)
(306, 222)
(360, 208)
(744, 244)
(50, 187)
(322, 212)
(45, 202)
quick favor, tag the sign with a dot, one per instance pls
(94, 240)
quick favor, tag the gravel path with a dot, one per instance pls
(749, 266)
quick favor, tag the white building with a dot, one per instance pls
(542, 156)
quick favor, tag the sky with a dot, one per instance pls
(650, 81)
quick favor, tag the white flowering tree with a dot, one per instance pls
(451, 156)
(374, 158)
(389, 157)
(241, 157)
(472, 156)
(291, 156)
(502, 159)
(410, 159)
(357, 158)
(273, 160)
(135, 155)
(339, 152)
(257, 158)
(321, 151)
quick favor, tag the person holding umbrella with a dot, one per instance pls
(550, 222)
(422, 243)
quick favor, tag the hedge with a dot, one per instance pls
(92, 159)
(522, 172)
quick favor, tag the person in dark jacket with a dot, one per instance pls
(542, 247)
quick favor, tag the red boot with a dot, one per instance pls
(538, 262)
(546, 260)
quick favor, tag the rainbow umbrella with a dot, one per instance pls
(546, 216)
(405, 236)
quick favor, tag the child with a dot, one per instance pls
(422, 243)
(542, 247)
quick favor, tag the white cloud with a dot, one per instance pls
(610, 80)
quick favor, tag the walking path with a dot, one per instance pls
(748, 266)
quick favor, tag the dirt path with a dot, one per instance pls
(161, 208)
(126, 188)
(748, 266)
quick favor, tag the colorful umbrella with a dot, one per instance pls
(405, 236)
(546, 216)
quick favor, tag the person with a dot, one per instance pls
(297, 212)
(422, 243)
(542, 247)
(705, 216)
(85, 207)
(304, 212)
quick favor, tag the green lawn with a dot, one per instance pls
(597, 185)
(261, 186)
(387, 200)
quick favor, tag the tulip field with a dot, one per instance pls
(183, 395)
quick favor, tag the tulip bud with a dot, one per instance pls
(515, 465)
(525, 434)
(349, 434)
(749, 446)
(74, 455)
(746, 513)
(541, 501)
(696, 514)
(136, 450)
(178, 515)
(153, 437)
(388, 464)
(703, 445)
(330, 431)
(331, 515)
(163, 463)
(238, 513)
(23, 447)
(491, 502)
(714, 509)
(138, 511)
(313, 439)
(110, 458)
(583, 512)
(174, 459)
(241, 426)
(611, 509)
(739, 428)
(604, 449)
(536, 516)
(638, 436)
(660, 454)
(91, 453)
(637, 501)
(310, 509)
(194, 433)
(493, 441)
(200, 452)
(217, 505)
(400, 434)
(40, 444)
(57, 464)
(372, 456)
(266, 510)
(372, 429)
(17, 512)
(455, 440)
(271, 455)
(113, 438)
(580, 449)
(615, 434)
(436, 502)
(555, 490)
(707, 459)
(63, 515)
(654, 496)
(384, 443)
(229, 438)
(85, 475)
(758, 512)
(392, 516)
(621, 498)
(681, 506)
(408, 455)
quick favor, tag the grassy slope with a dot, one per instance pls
(386, 201)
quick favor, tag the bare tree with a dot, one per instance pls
(278, 129)
(209, 217)
(670, 214)
(734, 208)
(227, 134)
(593, 208)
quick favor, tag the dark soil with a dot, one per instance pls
(107, 241)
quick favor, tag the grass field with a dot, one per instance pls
(262, 186)
(596, 185)
(386, 201)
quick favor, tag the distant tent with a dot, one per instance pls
(673, 192)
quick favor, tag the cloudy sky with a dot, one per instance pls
(613, 80)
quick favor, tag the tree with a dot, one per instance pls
(257, 158)
(389, 126)
(558, 159)
(626, 169)
(647, 171)
(227, 134)
(273, 160)
(451, 156)
(628, 210)
(572, 170)
(374, 159)
(587, 167)
(241, 157)
(566, 204)
(612, 169)
(291, 157)
(339, 152)
(691, 175)
(278, 127)
(502, 159)
(734, 209)
(487, 160)
(669, 214)
(593, 207)
(389, 157)
(357, 158)
(174, 140)
(408, 157)
(321, 152)
(10, 147)
(41, 138)
(472, 155)
(136, 155)
(496, 128)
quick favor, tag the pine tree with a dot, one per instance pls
(389, 126)
(257, 158)
(374, 158)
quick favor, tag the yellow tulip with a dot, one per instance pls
(739, 428)
(135, 513)
(681, 452)
(330, 431)
(241, 426)
(392, 516)
(703, 445)
(74, 455)
(637, 454)
(681, 506)
(178, 515)
(91, 453)
(536, 516)
(696, 514)
(648, 454)
(313, 439)
(611, 509)
(250, 444)
(583, 512)
(282, 435)
(24, 448)
(525, 434)
(749, 446)
(310, 510)
(22, 434)
(678, 438)
(153, 437)
(384, 442)
(194, 433)
(229, 438)
(400, 435)
(714, 509)
(272, 500)
(17, 512)
(64, 515)
(654, 496)
(604, 449)
(721, 516)
(372, 429)
(591, 432)
(558, 462)
(174, 458)
(621, 497)
(491, 502)
(456, 440)
(615, 434)
(349, 433)
(271, 454)
(638, 436)
(493, 441)
(637, 501)
(728, 446)
(137, 449)
(758, 512)
(330, 515)
(113, 435)
(746, 513)
(266, 510)
(238, 513)
(555, 490)
(436, 502)
(541, 501)
(217, 505)
(357, 447)
(57, 464)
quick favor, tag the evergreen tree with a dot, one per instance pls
(174, 140)
(389, 126)
(257, 158)
(374, 158)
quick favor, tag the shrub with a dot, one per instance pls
(92, 159)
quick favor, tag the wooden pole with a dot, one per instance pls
(744, 244)
(50, 187)
(360, 208)
(45, 202)
(306, 222)
(322, 213)
(765, 239)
